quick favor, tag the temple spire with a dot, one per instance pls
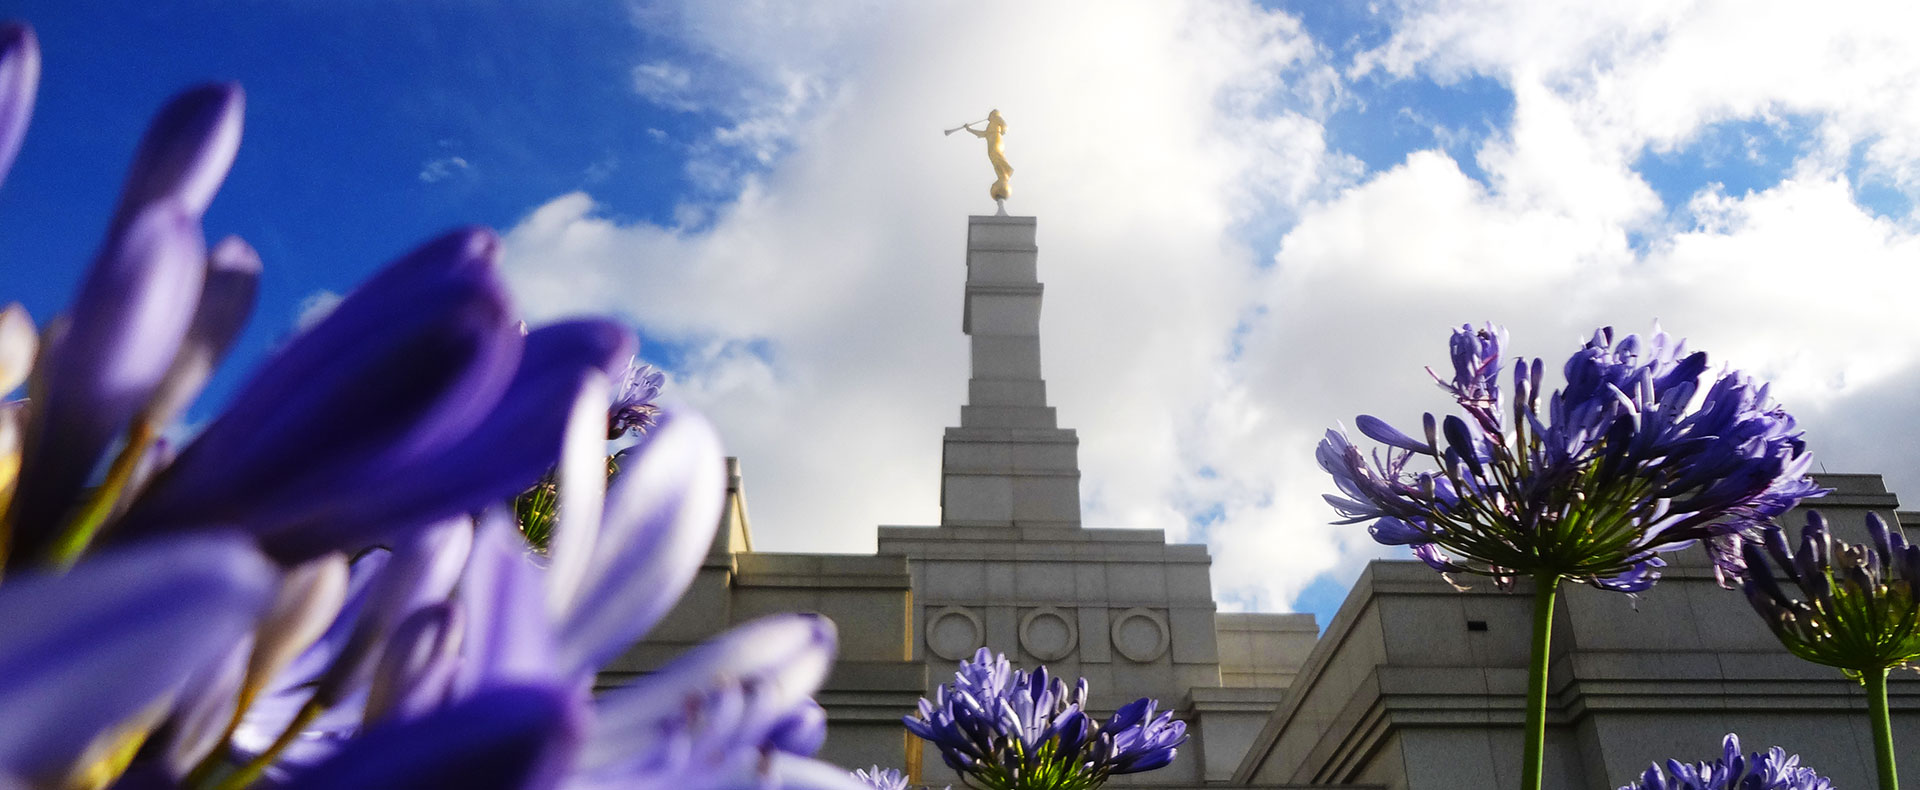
(1008, 464)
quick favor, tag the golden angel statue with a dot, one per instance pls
(995, 134)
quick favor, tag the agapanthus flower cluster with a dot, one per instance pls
(633, 409)
(1855, 607)
(304, 594)
(1770, 770)
(1005, 729)
(1645, 449)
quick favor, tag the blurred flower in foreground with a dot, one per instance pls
(195, 622)
(1644, 450)
(1770, 770)
(1004, 729)
(1857, 609)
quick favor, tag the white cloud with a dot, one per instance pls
(817, 297)
(824, 301)
(1654, 72)
(1795, 282)
(437, 170)
(600, 170)
(665, 84)
(313, 307)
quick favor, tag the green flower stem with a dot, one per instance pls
(1545, 586)
(73, 541)
(1876, 683)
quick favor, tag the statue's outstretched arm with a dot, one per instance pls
(973, 131)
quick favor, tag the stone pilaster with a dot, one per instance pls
(1008, 464)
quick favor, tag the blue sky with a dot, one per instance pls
(1255, 220)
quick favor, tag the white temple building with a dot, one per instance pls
(1413, 684)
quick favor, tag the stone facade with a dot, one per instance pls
(1418, 686)
(1413, 686)
(1009, 567)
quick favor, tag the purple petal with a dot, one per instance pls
(582, 492)
(311, 454)
(1378, 430)
(1436, 559)
(425, 566)
(270, 716)
(186, 152)
(513, 738)
(19, 76)
(1639, 578)
(509, 632)
(781, 659)
(510, 447)
(314, 660)
(1130, 714)
(802, 733)
(416, 668)
(659, 523)
(122, 332)
(133, 622)
(308, 604)
(1882, 543)
(1390, 531)
(203, 709)
(226, 299)
(19, 344)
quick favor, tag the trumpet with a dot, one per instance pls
(949, 132)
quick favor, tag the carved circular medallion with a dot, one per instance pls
(1140, 634)
(1047, 633)
(954, 633)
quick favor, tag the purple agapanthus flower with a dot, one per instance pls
(877, 778)
(633, 408)
(1773, 769)
(1004, 729)
(1644, 450)
(1855, 607)
(303, 596)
